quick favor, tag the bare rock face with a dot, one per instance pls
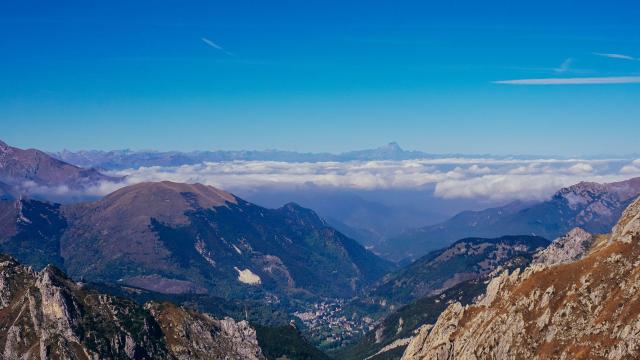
(565, 249)
(585, 309)
(192, 335)
(45, 315)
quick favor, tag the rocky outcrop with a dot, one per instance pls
(565, 249)
(193, 335)
(585, 309)
(45, 315)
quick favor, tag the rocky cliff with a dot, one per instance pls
(45, 315)
(583, 309)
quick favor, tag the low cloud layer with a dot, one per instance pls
(450, 178)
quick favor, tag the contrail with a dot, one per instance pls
(216, 46)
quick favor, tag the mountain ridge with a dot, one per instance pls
(583, 309)
(122, 159)
(34, 172)
(593, 206)
(190, 238)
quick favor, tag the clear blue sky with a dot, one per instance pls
(320, 75)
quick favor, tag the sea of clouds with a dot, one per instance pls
(493, 179)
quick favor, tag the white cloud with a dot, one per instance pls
(512, 187)
(581, 168)
(616, 56)
(215, 46)
(632, 168)
(496, 179)
(574, 81)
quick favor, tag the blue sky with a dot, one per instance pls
(321, 75)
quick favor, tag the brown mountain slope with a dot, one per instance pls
(122, 219)
(587, 309)
(189, 238)
(32, 171)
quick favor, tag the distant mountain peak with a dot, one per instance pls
(392, 146)
(32, 166)
(304, 214)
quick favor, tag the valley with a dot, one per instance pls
(319, 180)
(194, 255)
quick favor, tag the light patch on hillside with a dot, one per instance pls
(248, 277)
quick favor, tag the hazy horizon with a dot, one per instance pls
(498, 77)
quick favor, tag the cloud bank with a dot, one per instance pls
(493, 179)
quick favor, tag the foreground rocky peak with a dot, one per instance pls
(584, 309)
(45, 315)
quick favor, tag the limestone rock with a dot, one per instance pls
(564, 249)
(46, 315)
(583, 309)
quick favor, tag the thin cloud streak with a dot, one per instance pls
(215, 46)
(616, 56)
(574, 81)
(565, 66)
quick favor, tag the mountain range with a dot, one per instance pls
(182, 238)
(416, 294)
(360, 215)
(592, 206)
(124, 159)
(565, 307)
(208, 249)
(392, 334)
(466, 259)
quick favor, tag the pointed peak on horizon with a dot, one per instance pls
(394, 146)
(3, 145)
